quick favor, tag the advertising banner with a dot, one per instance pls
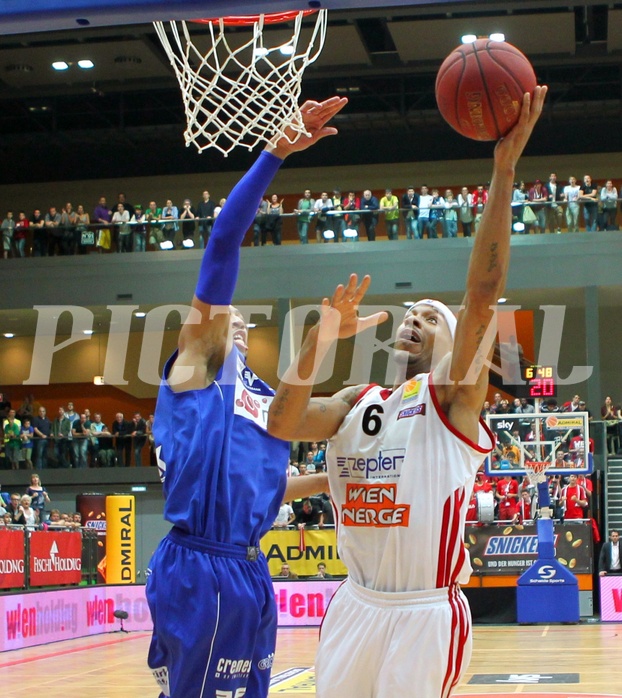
(302, 551)
(512, 549)
(120, 539)
(50, 616)
(12, 572)
(55, 558)
(611, 598)
(92, 507)
(304, 603)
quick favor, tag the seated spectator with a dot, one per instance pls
(15, 509)
(321, 572)
(286, 572)
(285, 516)
(30, 515)
(188, 217)
(55, 521)
(310, 514)
(538, 196)
(7, 520)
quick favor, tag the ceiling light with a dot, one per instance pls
(497, 36)
(139, 313)
(502, 300)
(251, 325)
(468, 38)
(328, 234)
(86, 64)
(188, 243)
(9, 335)
(287, 50)
(166, 245)
(98, 380)
(18, 68)
(60, 65)
(260, 52)
(87, 331)
(408, 304)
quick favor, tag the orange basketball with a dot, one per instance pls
(480, 88)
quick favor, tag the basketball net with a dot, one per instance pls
(536, 471)
(241, 90)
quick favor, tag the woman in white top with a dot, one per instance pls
(465, 202)
(31, 517)
(609, 197)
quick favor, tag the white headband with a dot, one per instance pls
(450, 318)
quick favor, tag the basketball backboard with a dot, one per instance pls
(20, 17)
(559, 439)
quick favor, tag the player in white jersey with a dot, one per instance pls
(401, 466)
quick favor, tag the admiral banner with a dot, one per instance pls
(12, 572)
(120, 539)
(302, 553)
(55, 558)
(512, 549)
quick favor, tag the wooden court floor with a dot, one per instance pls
(113, 665)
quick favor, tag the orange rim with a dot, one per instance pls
(249, 20)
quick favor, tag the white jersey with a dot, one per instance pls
(401, 477)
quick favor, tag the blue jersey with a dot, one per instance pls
(224, 476)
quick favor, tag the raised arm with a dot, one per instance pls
(293, 414)
(204, 338)
(462, 377)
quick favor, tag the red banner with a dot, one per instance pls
(12, 560)
(55, 558)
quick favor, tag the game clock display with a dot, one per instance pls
(540, 382)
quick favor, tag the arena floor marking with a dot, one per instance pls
(61, 653)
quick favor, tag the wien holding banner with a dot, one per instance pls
(55, 558)
(12, 571)
(303, 551)
(120, 539)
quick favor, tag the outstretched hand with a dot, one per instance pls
(339, 316)
(508, 150)
(315, 116)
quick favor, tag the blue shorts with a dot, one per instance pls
(214, 617)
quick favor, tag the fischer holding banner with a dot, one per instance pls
(121, 539)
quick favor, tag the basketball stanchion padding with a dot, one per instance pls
(240, 84)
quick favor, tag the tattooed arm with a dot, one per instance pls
(462, 377)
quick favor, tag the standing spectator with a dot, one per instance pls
(123, 229)
(310, 514)
(39, 234)
(285, 516)
(150, 439)
(609, 560)
(410, 211)
(205, 213)
(555, 213)
(352, 204)
(589, 197)
(465, 201)
(425, 201)
(68, 226)
(188, 217)
(519, 198)
(170, 215)
(122, 431)
(84, 236)
(480, 199)
(42, 431)
(274, 222)
(61, 430)
(321, 208)
(304, 209)
(101, 440)
(506, 495)
(21, 229)
(450, 215)
(12, 440)
(80, 441)
(337, 218)
(609, 199)
(574, 498)
(259, 222)
(390, 206)
(8, 230)
(38, 495)
(369, 206)
(437, 208)
(153, 214)
(572, 193)
(126, 205)
(139, 437)
(102, 216)
(139, 225)
(26, 434)
(539, 195)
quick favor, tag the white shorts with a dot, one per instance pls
(383, 645)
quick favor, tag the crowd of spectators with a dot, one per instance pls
(72, 439)
(425, 212)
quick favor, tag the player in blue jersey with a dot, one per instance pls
(209, 589)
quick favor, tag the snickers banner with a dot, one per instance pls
(120, 539)
(12, 573)
(55, 558)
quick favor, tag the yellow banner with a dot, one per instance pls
(120, 539)
(319, 546)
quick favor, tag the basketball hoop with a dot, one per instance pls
(240, 90)
(536, 471)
